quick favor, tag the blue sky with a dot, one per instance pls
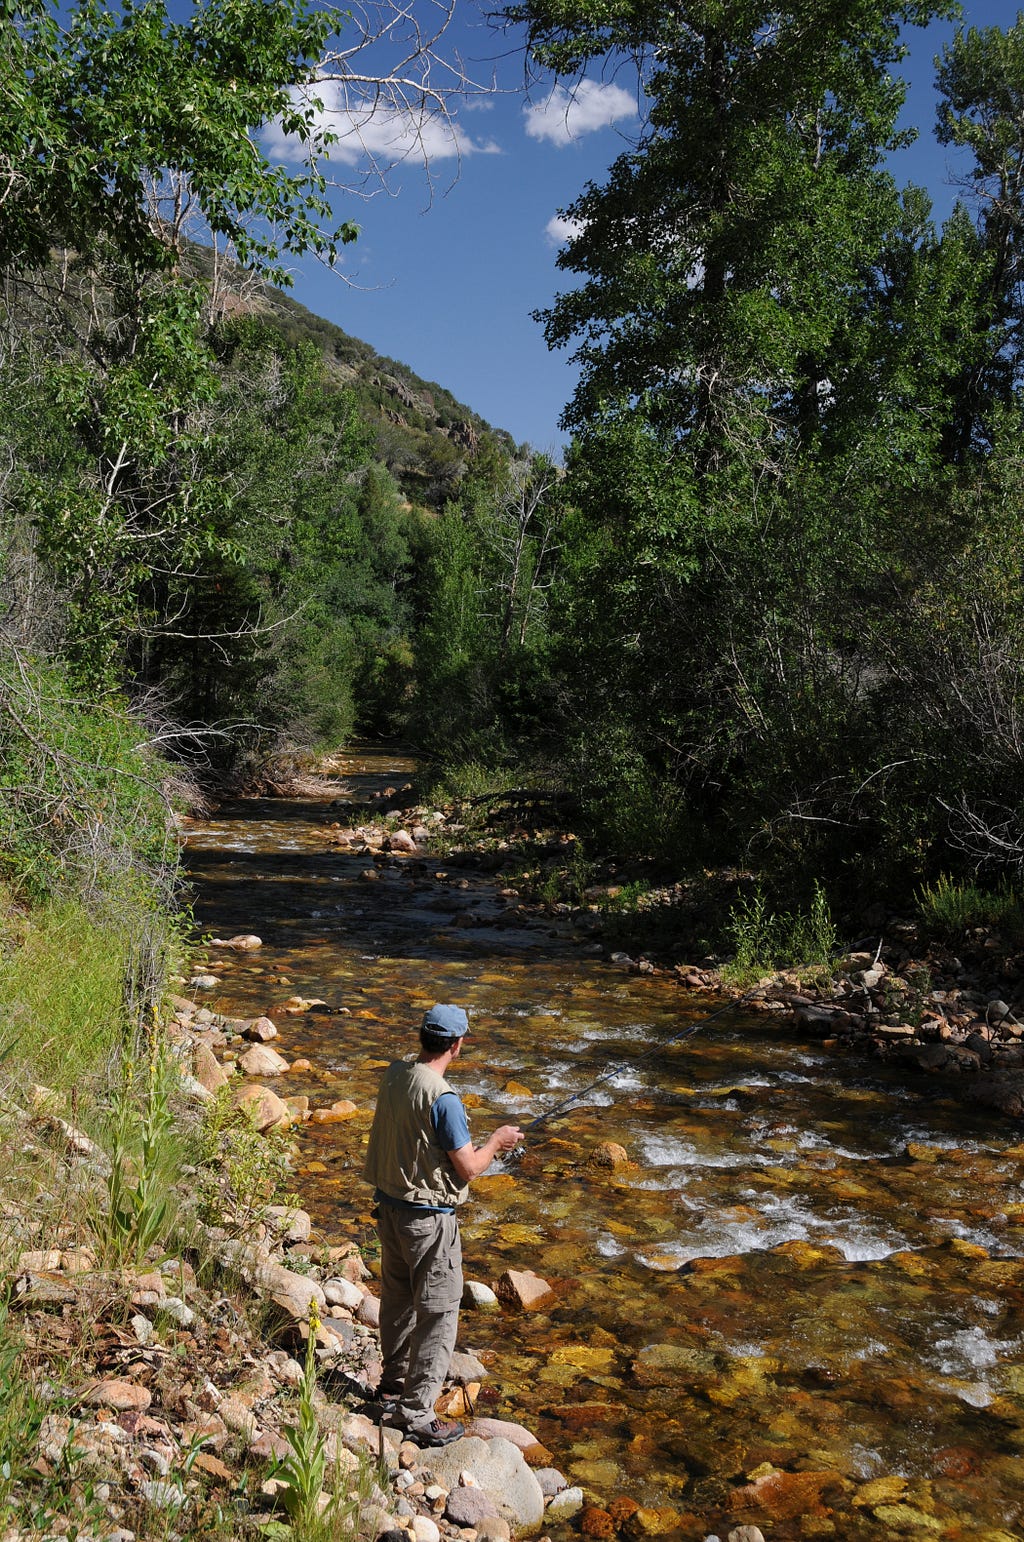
(445, 279)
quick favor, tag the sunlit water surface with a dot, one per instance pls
(775, 1316)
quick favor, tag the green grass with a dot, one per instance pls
(62, 979)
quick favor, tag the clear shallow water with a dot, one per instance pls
(774, 1316)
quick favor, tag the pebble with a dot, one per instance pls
(174, 1308)
(118, 1394)
(161, 1495)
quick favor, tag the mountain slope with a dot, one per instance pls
(426, 438)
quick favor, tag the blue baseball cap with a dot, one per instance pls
(449, 1020)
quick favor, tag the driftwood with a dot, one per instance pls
(531, 804)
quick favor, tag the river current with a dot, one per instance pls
(802, 1304)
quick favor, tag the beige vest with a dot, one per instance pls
(404, 1158)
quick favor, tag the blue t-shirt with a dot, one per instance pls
(449, 1120)
(451, 1127)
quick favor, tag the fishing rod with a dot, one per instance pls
(627, 1065)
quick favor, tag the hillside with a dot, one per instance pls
(424, 436)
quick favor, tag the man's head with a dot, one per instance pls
(443, 1028)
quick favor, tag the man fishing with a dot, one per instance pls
(421, 1161)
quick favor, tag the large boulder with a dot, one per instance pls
(265, 1108)
(261, 1060)
(500, 1469)
(208, 1070)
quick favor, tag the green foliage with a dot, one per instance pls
(82, 798)
(763, 940)
(794, 503)
(21, 1413)
(482, 681)
(952, 908)
(99, 103)
(460, 781)
(628, 899)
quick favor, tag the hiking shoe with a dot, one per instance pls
(436, 1433)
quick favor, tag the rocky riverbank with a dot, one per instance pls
(170, 1397)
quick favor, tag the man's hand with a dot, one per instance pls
(470, 1161)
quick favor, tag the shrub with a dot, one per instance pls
(951, 908)
(239, 1171)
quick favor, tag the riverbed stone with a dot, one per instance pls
(479, 1297)
(467, 1507)
(289, 1223)
(261, 1030)
(465, 1367)
(784, 1495)
(208, 1070)
(551, 1481)
(493, 1528)
(907, 1518)
(660, 1365)
(339, 1292)
(368, 1311)
(565, 1505)
(118, 1393)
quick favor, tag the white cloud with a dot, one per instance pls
(566, 115)
(560, 231)
(377, 132)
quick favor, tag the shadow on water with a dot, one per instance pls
(802, 1303)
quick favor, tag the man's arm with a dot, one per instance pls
(470, 1161)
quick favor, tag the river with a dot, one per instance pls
(801, 1306)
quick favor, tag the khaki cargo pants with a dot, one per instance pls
(420, 1294)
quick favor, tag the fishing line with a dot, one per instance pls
(626, 1065)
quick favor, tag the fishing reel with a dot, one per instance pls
(515, 1156)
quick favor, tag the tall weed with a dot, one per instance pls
(303, 1470)
(144, 1151)
(764, 940)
